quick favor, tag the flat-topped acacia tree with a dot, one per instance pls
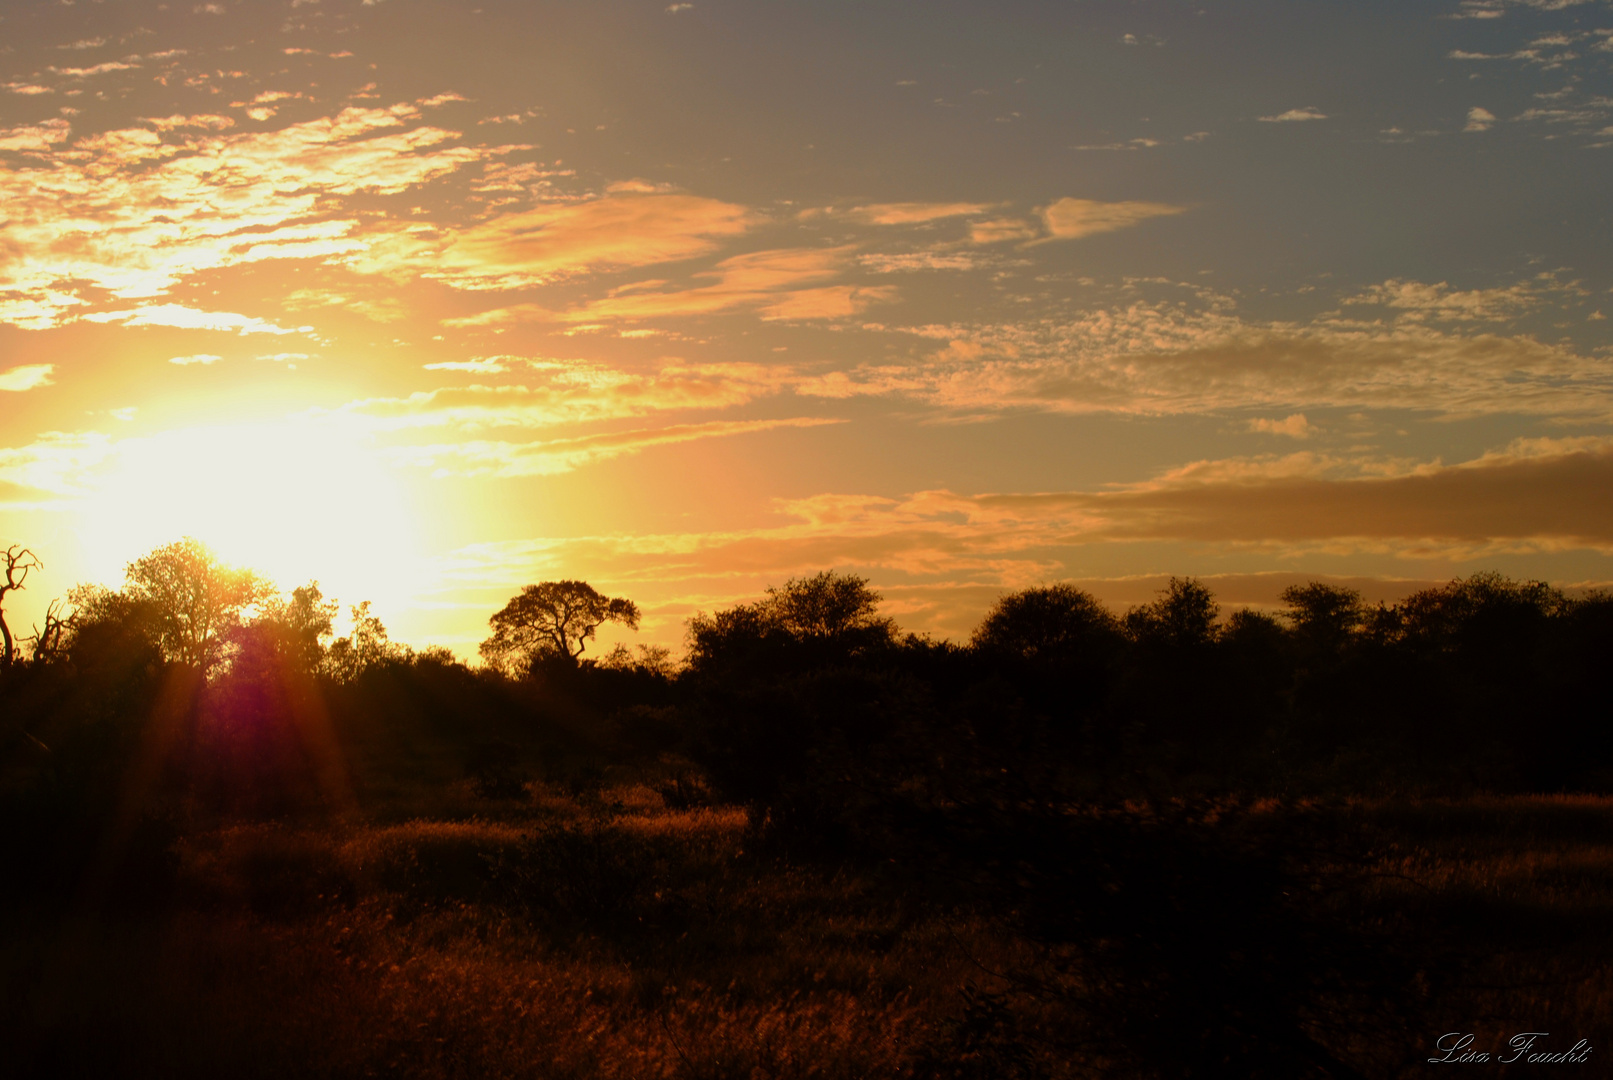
(552, 619)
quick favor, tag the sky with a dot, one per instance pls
(428, 302)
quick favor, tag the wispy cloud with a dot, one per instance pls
(1294, 426)
(782, 283)
(510, 459)
(187, 318)
(625, 228)
(1070, 218)
(1292, 116)
(134, 211)
(915, 213)
(1165, 358)
(26, 377)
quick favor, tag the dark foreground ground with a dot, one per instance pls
(618, 933)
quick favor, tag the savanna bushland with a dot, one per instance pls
(1168, 842)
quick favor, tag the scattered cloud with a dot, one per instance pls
(563, 392)
(26, 377)
(188, 318)
(942, 557)
(1294, 426)
(1479, 119)
(195, 358)
(1165, 358)
(555, 240)
(1439, 301)
(781, 283)
(482, 365)
(1069, 218)
(1295, 116)
(915, 213)
(134, 211)
(511, 459)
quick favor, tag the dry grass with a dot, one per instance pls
(436, 948)
(399, 950)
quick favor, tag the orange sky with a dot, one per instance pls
(429, 302)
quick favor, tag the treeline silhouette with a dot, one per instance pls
(1156, 800)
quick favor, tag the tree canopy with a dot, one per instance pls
(194, 600)
(832, 615)
(552, 619)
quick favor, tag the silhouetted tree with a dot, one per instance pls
(794, 702)
(16, 562)
(45, 645)
(1324, 616)
(1051, 625)
(195, 601)
(1182, 617)
(815, 620)
(365, 648)
(553, 619)
(294, 628)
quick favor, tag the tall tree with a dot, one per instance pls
(17, 562)
(552, 619)
(194, 599)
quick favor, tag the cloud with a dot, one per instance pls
(188, 318)
(134, 211)
(557, 392)
(779, 283)
(1152, 357)
(1001, 230)
(56, 463)
(40, 137)
(1294, 426)
(511, 459)
(26, 377)
(914, 213)
(483, 365)
(1167, 358)
(98, 69)
(942, 557)
(1069, 219)
(195, 358)
(916, 260)
(556, 240)
(1544, 494)
(1295, 116)
(1479, 119)
(206, 121)
(1440, 301)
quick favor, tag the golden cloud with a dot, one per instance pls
(510, 459)
(959, 551)
(555, 240)
(1069, 218)
(774, 282)
(26, 377)
(1164, 359)
(187, 318)
(915, 213)
(572, 392)
(134, 211)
